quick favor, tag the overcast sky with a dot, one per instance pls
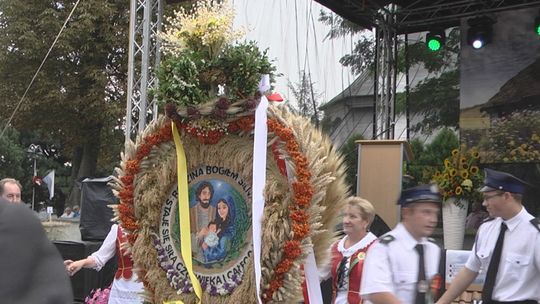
(295, 38)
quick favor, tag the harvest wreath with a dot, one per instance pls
(208, 86)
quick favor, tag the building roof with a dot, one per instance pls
(361, 86)
(521, 90)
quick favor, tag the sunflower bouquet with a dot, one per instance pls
(460, 176)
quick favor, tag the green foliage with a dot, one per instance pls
(436, 100)
(363, 55)
(179, 81)
(446, 58)
(243, 65)
(80, 89)
(192, 78)
(11, 155)
(350, 152)
(429, 158)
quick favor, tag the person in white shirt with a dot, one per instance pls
(403, 265)
(125, 289)
(507, 247)
(67, 213)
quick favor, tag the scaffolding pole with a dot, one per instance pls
(143, 60)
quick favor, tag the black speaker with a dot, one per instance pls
(86, 279)
(95, 215)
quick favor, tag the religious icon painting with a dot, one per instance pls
(220, 230)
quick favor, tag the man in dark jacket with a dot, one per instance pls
(32, 270)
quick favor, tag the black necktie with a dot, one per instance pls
(493, 267)
(421, 285)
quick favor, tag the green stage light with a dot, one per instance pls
(434, 45)
(537, 26)
(435, 40)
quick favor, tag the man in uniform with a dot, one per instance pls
(401, 266)
(507, 247)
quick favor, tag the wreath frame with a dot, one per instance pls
(294, 221)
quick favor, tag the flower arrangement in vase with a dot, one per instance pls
(460, 176)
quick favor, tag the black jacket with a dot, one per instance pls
(31, 268)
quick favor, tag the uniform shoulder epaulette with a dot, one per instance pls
(536, 223)
(386, 239)
(489, 219)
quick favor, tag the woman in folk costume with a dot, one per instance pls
(125, 288)
(348, 254)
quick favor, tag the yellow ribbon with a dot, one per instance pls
(183, 213)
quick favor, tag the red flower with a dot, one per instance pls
(127, 180)
(132, 167)
(283, 267)
(300, 230)
(303, 193)
(292, 249)
(299, 216)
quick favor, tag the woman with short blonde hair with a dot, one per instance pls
(367, 210)
(348, 254)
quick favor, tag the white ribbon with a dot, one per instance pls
(259, 180)
(311, 274)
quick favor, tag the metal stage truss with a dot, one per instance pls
(143, 59)
(392, 18)
(389, 18)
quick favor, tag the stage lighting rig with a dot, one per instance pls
(480, 31)
(435, 40)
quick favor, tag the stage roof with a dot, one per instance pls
(422, 15)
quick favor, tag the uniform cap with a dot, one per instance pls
(497, 180)
(419, 194)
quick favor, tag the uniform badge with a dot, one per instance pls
(422, 286)
(361, 255)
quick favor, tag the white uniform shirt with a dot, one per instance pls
(393, 267)
(518, 277)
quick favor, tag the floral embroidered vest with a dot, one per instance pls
(356, 265)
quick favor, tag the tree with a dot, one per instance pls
(436, 99)
(306, 98)
(78, 98)
(429, 158)
(11, 155)
(363, 54)
(350, 152)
